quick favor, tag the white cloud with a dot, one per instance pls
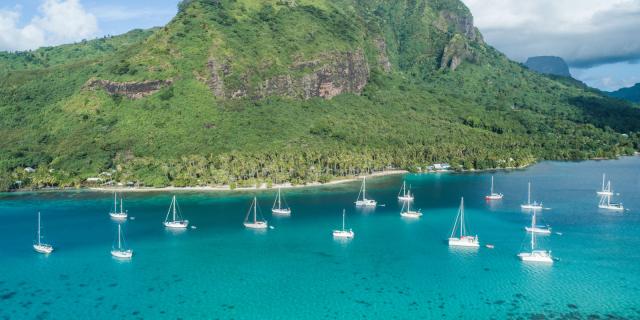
(112, 13)
(58, 21)
(583, 32)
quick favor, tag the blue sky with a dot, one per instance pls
(599, 39)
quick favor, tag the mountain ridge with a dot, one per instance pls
(630, 93)
(244, 92)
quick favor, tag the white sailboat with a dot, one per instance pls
(493, 195)
(173, 219)
(251, 220)
(408, 213)
(40, 246)
(531, 205)
(343, 233)
(405, 194)
(364, 202)
(605, 201)
(277, 206)
(537, 228)
(463, 240)
(115, 214)
(606, 190)
(535, 255)
(119, 251)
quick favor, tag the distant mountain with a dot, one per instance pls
(631, 93)
(548, 65)
(246, 92)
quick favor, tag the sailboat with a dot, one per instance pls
(529, 205)
(493, 195)
(405, 194)
(118, 215)
(40, 246)
(343, 233)
(174, 218)
(535, 255)
(605, 201)
(251, 220)
(364, 202)
(119, 251)
(409, 213)
(537, 228)
(463, 240)
(606, 190)
(277, 206)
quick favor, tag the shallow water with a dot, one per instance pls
(394, 268)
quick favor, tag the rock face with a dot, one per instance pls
(455, 53)
(548, 65)
(461, 24)
(326, 77)
(383, 58)
(131, 90)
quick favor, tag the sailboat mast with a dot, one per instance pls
(343, 217)
(529, 193)
(255, 209)
(279, 200)
(603, 178)
(174, 208)
(115, 202)
(121, 205)
(533, 234)
(491, 184)
(462, 231)
(119, 236)
(404, 188)
(364, 188)
(38, 227)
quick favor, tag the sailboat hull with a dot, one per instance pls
(411, 214)
(471, 242)
(343, 234)
(183, 224)
(531, 206)
(122, 254)
(256, 225)
(284, 212)
(405, 198)
(536, 256)
(539, 230)
(366, 203)
(118, 215)
(612, 207)
(43, 248)
(494, 196)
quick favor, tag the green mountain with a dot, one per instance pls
(245, 91)
(548, 65)
(631, 93)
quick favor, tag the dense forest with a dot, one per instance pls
(241, 92)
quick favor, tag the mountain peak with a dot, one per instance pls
(548, 65)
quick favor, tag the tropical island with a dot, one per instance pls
(248, 92)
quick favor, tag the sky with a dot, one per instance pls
(599, 39)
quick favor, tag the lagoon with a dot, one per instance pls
(394, 268)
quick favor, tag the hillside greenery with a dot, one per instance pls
(487, 113)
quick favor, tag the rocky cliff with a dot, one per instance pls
(548, 65)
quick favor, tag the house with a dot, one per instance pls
(29, 170)
(94, 180)
(441, 166)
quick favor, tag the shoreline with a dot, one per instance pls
(262, 186)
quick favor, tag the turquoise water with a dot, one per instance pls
(394, 268)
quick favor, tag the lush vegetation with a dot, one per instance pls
(630, 94)
(488, 113)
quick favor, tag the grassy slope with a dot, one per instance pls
(482, 115)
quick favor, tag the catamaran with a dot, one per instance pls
(537, 228)
(605, 201)
(606, 190)
(251, 220)
(119, 251)
(463, 240)
(277, 205)
(408, 213)
(40, 246)
(343, 233)
(535, 255)
(364, 202)
(173, 219)
(405, 194)
(493, 195)
(118, 215)
(529, 205)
